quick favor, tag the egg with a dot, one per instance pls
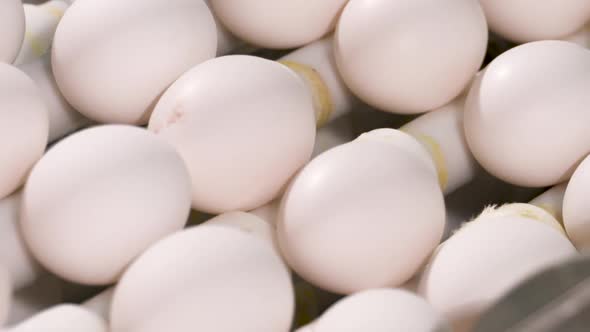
(410, 56)
(205, 278)
(580, 37)
(243, 125)
(23, 127)
(15, 257)
(362, 215)
(5, 294)
(41, 22)
(63, 119)
(516, 117)
(226, 41)
(486, 258)
(12, 29)
(113, 59)
(99, 198)
(64, 317)
(381, 310)
(278, 24)
(575, 208)
(101, 303)
(531, 20)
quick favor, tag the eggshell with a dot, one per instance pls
(64, 317)
(485, 259)
(576, 212)
(529, 107)
(362, 215)
(5, 294)
(14, 254)
(99, 198)
(113, 59)
(101, 303)
(243, 125)
(63, 119)
(381, 310)
(206, 278)
(278, 24)
(12, 29)
(23, 127)
(410, 56)
(530, 20)
(41, 22)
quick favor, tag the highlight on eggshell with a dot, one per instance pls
(362, 215)
(131, 50)
(516, 117)
(383, 65)
(178, 285)
(241, 139)
(494, 250)
(23, 127)
(81, 229)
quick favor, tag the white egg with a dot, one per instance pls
(23, 127)
(113, 59)
(12, 29)
(531, 20)
(243, 125)
(383, 310)
(542, 121)
(362, 215)
(410, 56)
(99, 198)
(485, 259)
(576, 212)
(205, 278)
(64, 317)
(278, 24)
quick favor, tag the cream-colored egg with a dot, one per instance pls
(362, 215)
(12, 29)
(576, 211)
(278, 24)
(243, 125)
(206, 278)
(383, 310)
(529, 107)
(63, 119)
(113, 59)
(99, 198)
(23, 127)
(484, 260)
(410, 56)
(530, 20)
(14, 254)
(64, 318)
(5, 294)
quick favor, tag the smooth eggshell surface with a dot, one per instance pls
(65, 318)
(485, 259)
(381, 310)
(576, 210)
(530, 20)
(362, 215)
(113, 59)
(243, 125)
(206, 278)
(24, 126)
(278, 24)
(515, 116)
(99, 198)
(410, 56)
(12, 29)
(5, 294)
